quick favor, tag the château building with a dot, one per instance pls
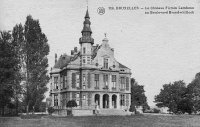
(91, 76)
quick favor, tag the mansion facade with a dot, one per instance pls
(91, 76)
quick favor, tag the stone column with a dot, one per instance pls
(129, 100)
(110, 101)
(118, 101)
(101, 101)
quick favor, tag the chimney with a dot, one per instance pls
(75, 50)
(55, 58)
(72, 52)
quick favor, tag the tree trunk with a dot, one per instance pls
(17, 105)
(27, 109)
(3, 111)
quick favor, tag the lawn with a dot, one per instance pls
(105, 121)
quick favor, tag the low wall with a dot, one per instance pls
(75, 112)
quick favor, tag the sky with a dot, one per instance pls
(158, 48)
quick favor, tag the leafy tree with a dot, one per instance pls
(9, 68)
(138, 97)
(171, 95)
(34, 50)
(193, 93)
(18, 39)
(185, 105)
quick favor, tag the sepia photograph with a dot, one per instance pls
(99, 63)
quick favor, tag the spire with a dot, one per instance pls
(87, 14)
(86, 32)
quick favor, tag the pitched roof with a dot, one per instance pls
(62, 61)
(122, 66)
(94, 50)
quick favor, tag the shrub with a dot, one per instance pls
(155, 110)
(71, 104)
(50, 110)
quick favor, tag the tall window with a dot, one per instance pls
(84, 97)
(105, 63)
(77, 81)
(77, 98)
(61, 82)
(84, 61)
(105, 80)
(84, 78)
(122, 100)
(122, 83)
(84, 50)
(77, 102)
(55, 100)
(88, 60)
(96, 79)
(55, 82)
(77, 95)
(114, 81)
(65, 81)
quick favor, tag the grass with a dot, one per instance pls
(104, 121)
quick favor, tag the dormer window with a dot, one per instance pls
(105, 63)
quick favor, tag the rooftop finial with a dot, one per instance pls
(87, 4)
(105, 34)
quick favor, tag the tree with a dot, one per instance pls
(185, 105)
(138, 97)
(18, 39)
(9, 70)
(171, 95)
(193, 92)
(34, 56)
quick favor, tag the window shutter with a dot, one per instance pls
(73, 80)
(89, 79)
(127, 83)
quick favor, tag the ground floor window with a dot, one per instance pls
(55, 100)
(77, 102)
(122, 100)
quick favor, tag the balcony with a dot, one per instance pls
(65, 88)
(122, 89)
(55, 90)
(96, 87)
(78, 88)
(114, 89)
(105, 88)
